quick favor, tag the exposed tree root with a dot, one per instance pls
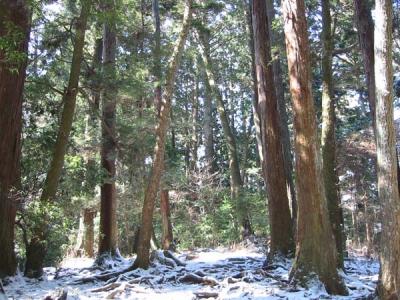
(193, 278)
(201, 295)
(169, 254)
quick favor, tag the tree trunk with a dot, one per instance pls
(365, 28)
(193, 138)
(278, 204)
(157, 57)
(389, 283)
(36, 250)
(88, 238)
(315, 248)
(235, 178)
(142, 260)
(11, 89)
(108, 234)
(328, 137)
(209, 154)
(276, 41)
(69, 100)
(167, 236)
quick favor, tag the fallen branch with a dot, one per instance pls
(206, 294)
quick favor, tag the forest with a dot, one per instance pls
(199, 149)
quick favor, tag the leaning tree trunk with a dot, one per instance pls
(281, 243)
(69, 100)
(315, 248)
(235, 177)
(328, 137)
(146, 229)
(36, 250)
(389, 283)
(108, 208)
(11, 89)
(277, 41)
(167, 236)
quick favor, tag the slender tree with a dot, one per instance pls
(328, 138)
(36, 249)
(389, 283)
(315, 245)
(281, 242)
(108, 209)
(69, 100)
(12, 78)
(142, 260)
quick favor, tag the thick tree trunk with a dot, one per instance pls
(142, 260)
(276, 41)
(389, 283)
(278, 203)
(167, 236)
(328, 137)
(235, 178)
(69, 100)
(315, 248)
(108, 234)
(36, 250)
(11, 89)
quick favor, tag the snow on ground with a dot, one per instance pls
(236, 274)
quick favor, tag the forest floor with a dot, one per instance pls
(222, 274)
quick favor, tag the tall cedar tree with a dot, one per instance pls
(36, 250)
(281, 242)
(108, 209)
(146, 229)
(277, 42)
(315, 245)
(235, 177)
(389, 283)
(328, 138)
(14, 27)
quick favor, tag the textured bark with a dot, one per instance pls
(167, 236)
(277, 41)
(328, 137)
(11, 88)
(235, 178)
(194, 120)
(389, 283)
(108, 208)
(365, 28)
(315, 247)
(281, 242)
(142, 260)
(88, 238)
(69, 100)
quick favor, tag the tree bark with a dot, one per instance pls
(167, 236)
(69, 99)
(11, 89)
(365, 28)
(142, 260)
(235, 178)
(328, 137)
(315, 248)
(277, 41)
(209, 154)
(389, 283)
(108, 208)
(88, 238)
(281, 242)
